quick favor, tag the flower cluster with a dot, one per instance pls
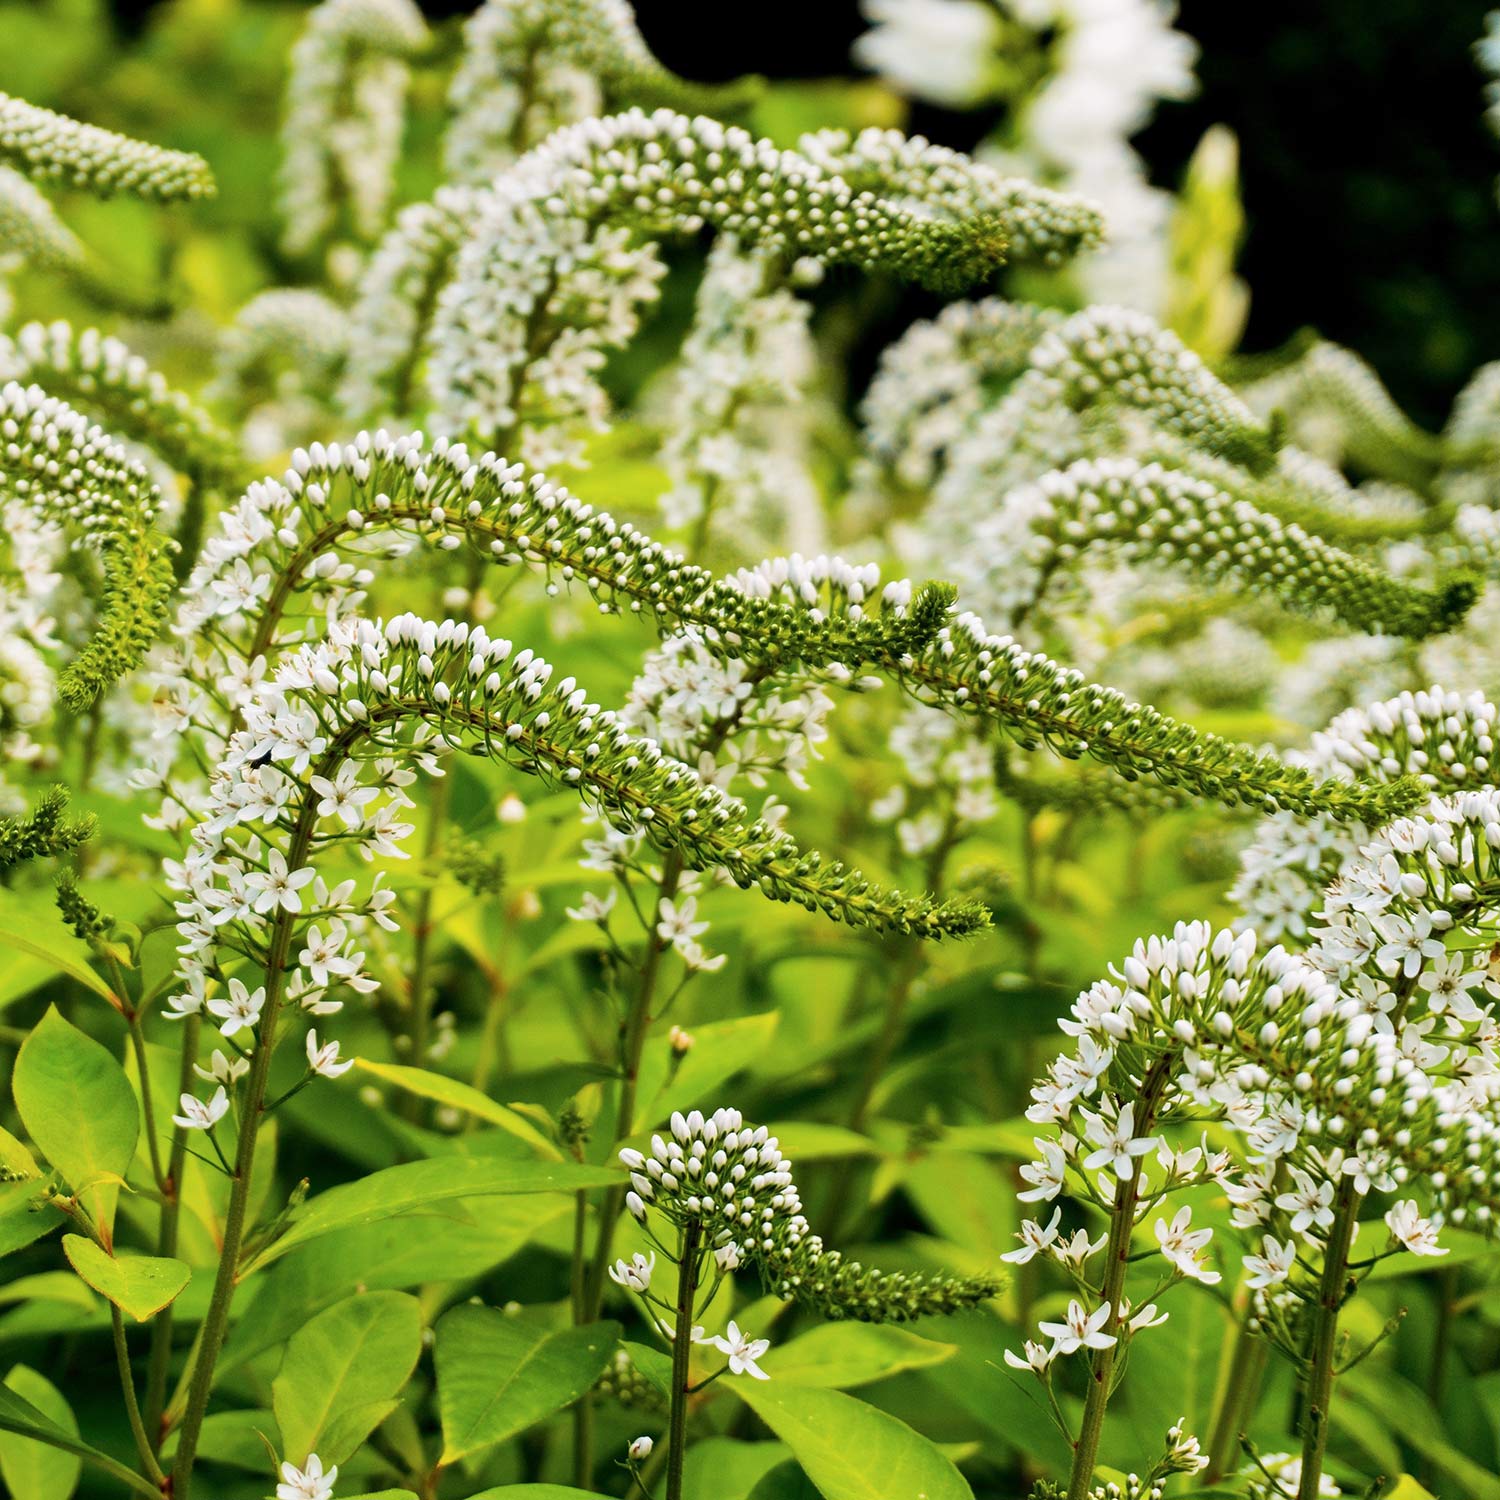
(732, 1183)
(42, 832)
(30, 230)
(345, 102)
(1443, 738)
(100, 374)
(53, 148)
(735, 417)
(531, 66)
(54, 461)
(1146, 513)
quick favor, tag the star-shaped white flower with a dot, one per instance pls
(196, 1115)
(307, 1483)
(742, 1351)
(1081, 1329)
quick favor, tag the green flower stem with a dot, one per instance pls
(148, 1109)
(422, 925)
(682, 1347)
(1331, 1293)
(1117, 1259)
(216, 1322)
(166, 1240)
(132, 1406)
(1247, 1364)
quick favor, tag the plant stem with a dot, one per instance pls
(1331, 1291)
(216, 1321)
(166, 1240)
(682, 1346)
(1121, 1224)
(1247, 1362)
(148, 1108)
(421, 998)
(583, 1408)
(132, 1407)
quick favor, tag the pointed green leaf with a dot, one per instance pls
(535, 1492)
(30, 1468)
(79, 1108)
(849, 1450)
(140, 1285)
(415, 1184)
(840, 1355)
(499, 1374)
(18, 1415)
(461, 1096)
(39, 933)
(341, 1372)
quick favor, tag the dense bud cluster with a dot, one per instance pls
(732, 1181)
(1331, 394)
(43, 832)
(1446, 740)
(345, 104)
(531, 66)
(935, 380)
(1151, 514)
(62, 467)
(53, 148)
(1037, 223)
(99, 373)
(30, 230)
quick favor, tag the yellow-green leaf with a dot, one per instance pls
(140, 1285)
(341, 1372)
(461, 1096)
(38, 932)
(31, 1468)
(839, 1355)
(498, 1374)
(79, 1108)
(849, 1450)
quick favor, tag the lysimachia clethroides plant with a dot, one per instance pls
(481, 734)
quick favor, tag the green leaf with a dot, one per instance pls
(721, 1468)
(838, 1355)
(461, 1096)
(415, 1184)
(138, 1284)
(18, 1415)
(341, 1372)
(37, 1470)
(498, 1374)
(784, 1482)
(38, 931)
(1407, 1488)
(384, 1495)
(79, 1108)
(851, 1451)
(720, 1050)
(653, 1364)
(534, 1492)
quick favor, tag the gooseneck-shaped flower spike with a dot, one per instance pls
(54, 460)
(50, 147)
(98, 373)
(1145, 513)
(346, 98)
(530, 66)
(293, 544)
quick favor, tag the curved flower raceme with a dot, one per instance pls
(532, 66)
(62, 467)
(553, 241)
(1146, 513)
(50, 147)
(1443, 738)
(731, 1181)
(345, 102)
(293, 548)
(100, 373)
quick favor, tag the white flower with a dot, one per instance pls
(1118, 1145)
(728, 1256)
(1080, 1329)
(309, 1483)
(635, 1274)
(222, 1069)
(1038, 1357)
(1274, 1266)
(196, 1115)
(1417, 1234)
(1309, 1203)
(943, 50)
(1183, 1247)
(324, 1060)
(639, 1449)
(742, 1351)
(677, 925)
(1034, 1239)
(240, 1010)
(278, 886)
(593, 907)
(1046, 1174)
(343, 797)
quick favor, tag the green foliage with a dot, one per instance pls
(42, 833)
(31, 1468)
(140, 1285)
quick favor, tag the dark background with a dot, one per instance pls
(1368, 171)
